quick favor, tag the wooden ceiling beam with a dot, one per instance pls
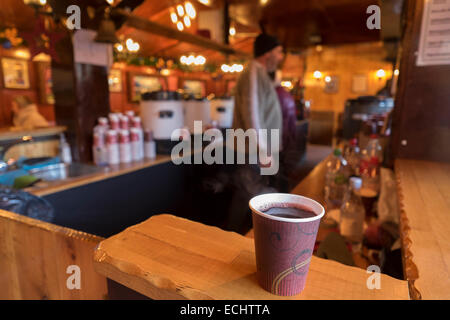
(165, 31)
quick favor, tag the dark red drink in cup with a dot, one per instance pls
(285, 229)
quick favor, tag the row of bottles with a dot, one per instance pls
(121, 139)
(352, 183)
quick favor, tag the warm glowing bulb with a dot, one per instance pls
(239, 68)
(190, 10)
(165, 72)
(234, 68)
(317, 74)
(180, 26)
(43, 2)
(225, 68)
(202, 59)
(263, 2)
(119, 47)
(205, 2)
(232, 31)
(396, 72)
(327, 79)
(136, 47)
(187, 21)
(109, 2)
(190, 60)
(381, 73)
(183, 59)
(180, 10)
(173, 17)
(286, 84)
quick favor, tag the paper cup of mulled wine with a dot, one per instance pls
(285, 229)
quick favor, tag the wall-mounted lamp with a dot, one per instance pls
(381, 74)
(317, 75)
(287, 84)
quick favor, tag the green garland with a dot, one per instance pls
(160, 63)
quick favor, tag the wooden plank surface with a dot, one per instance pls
(35, 255)
(424, 193)
(166, 257)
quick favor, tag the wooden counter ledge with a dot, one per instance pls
(6, 134)
(111, 171)
(424, 196)
(166, 257)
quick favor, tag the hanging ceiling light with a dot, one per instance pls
(180, 10)
(35, 3)
(190, 10)
(182, 16)
(107, 30)
(196, 60)
(132, 46)
(187, 21)
(232, 68)
(173, 16)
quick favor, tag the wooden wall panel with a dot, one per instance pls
(421, 123)
(34, 257)
(344, 62)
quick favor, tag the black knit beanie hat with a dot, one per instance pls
(264, 43)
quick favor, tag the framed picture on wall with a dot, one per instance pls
(115, 80)
(359, 83)
(331, 84)
(141, 83)
(15, 73)
(193, 86)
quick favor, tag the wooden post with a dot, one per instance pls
(81, 96)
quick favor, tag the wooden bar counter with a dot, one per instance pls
(424, 196)
(167, 257)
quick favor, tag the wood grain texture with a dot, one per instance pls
(166, 257)
(424, 196)
(34, 257)
(421, 116)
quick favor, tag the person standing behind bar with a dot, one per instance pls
(256, 101)
(256, 107)
(26, 114)
(289, 156)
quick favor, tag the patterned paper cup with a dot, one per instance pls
(284, 246)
